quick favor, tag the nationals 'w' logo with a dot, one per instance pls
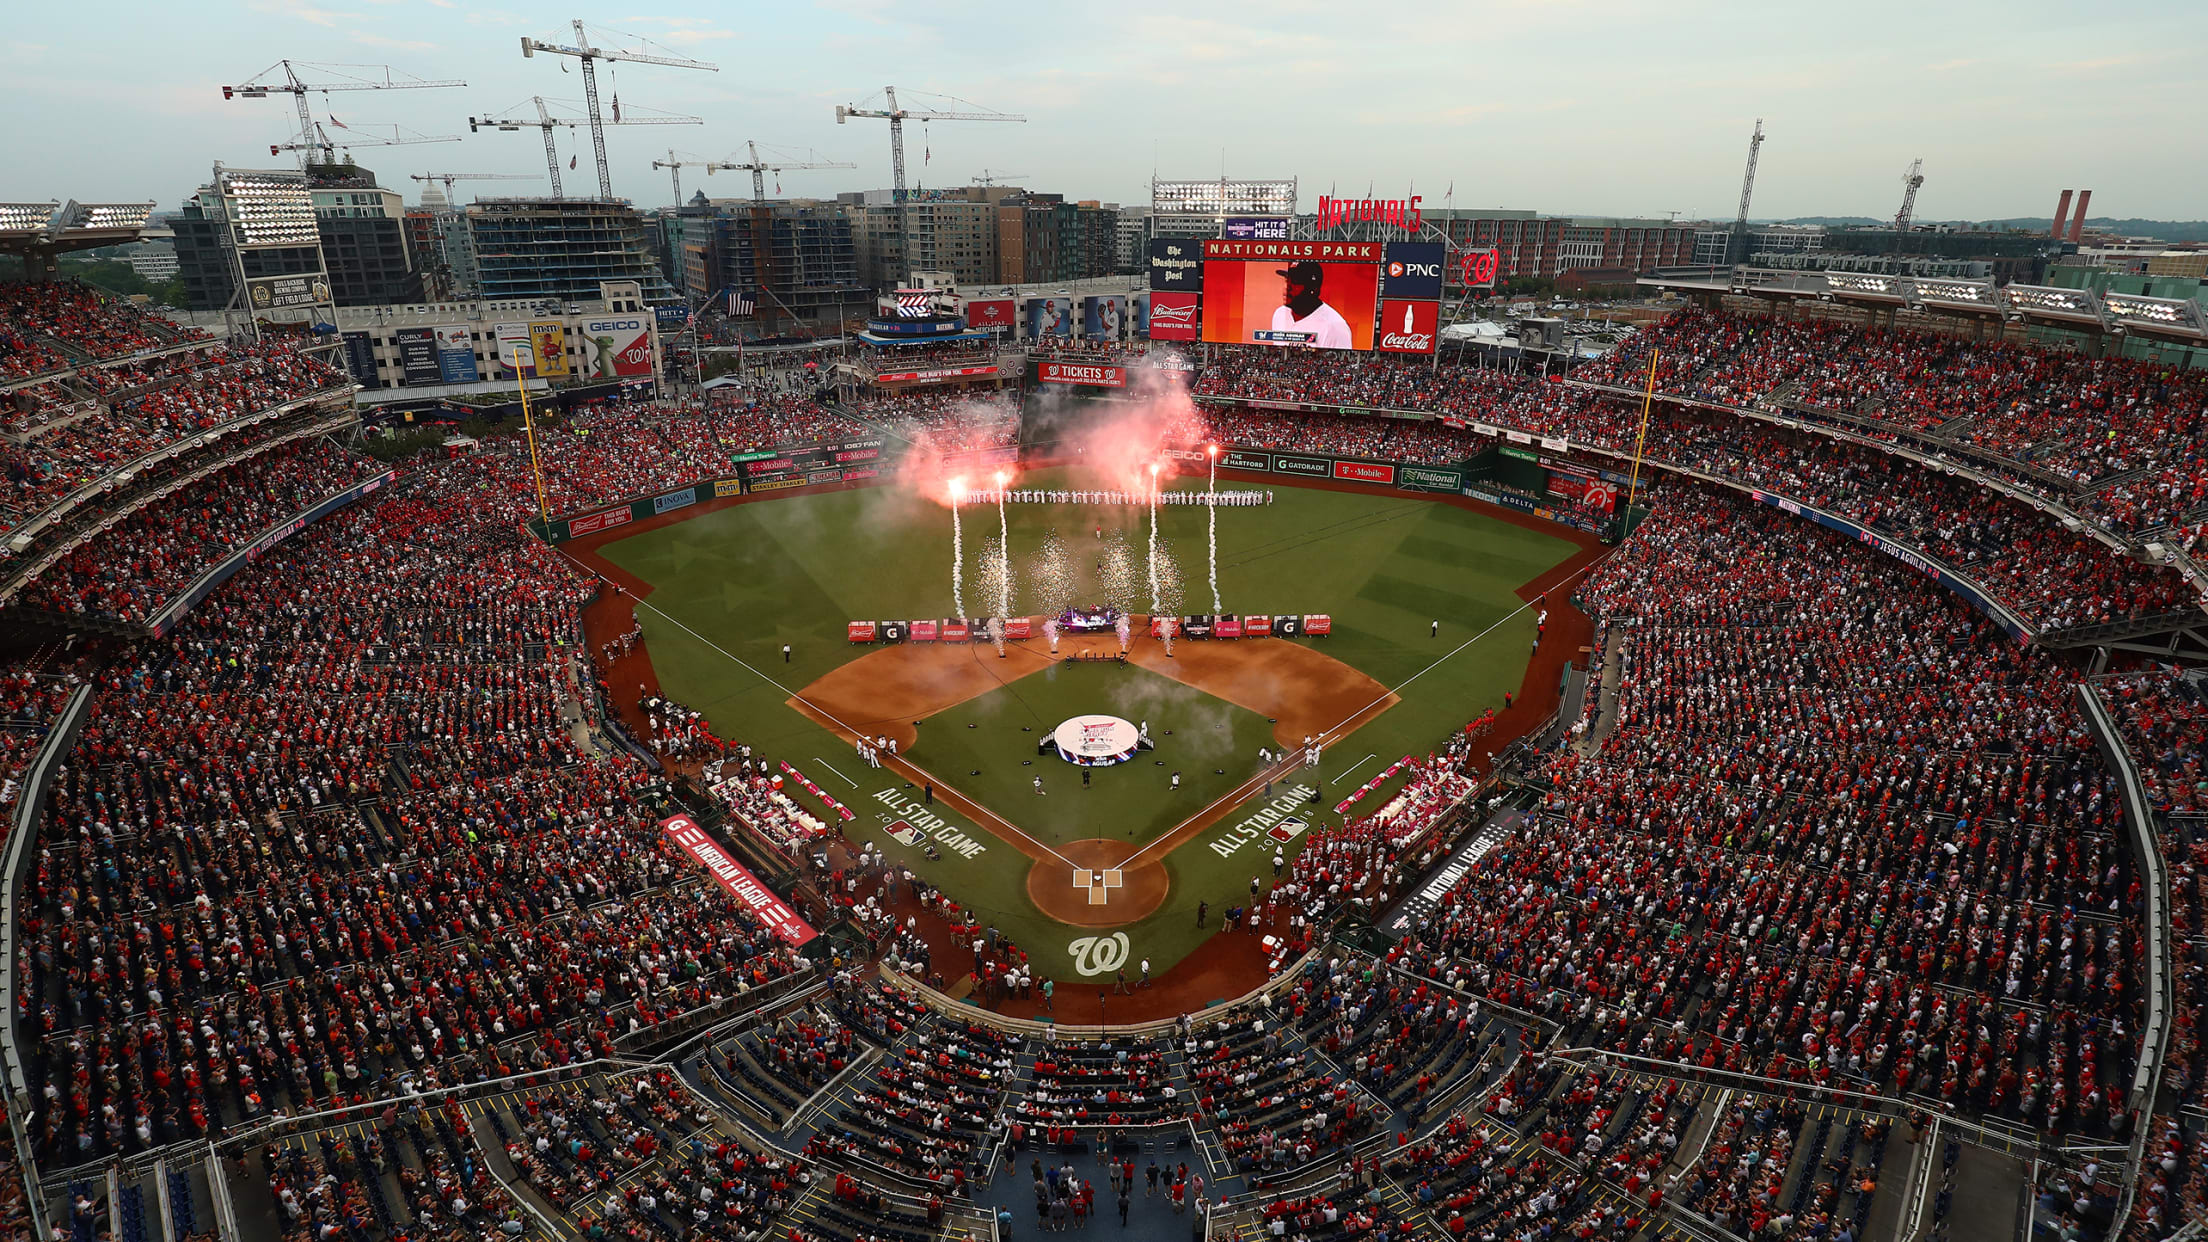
(1099, 955)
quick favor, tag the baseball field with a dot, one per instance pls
(1124, 853)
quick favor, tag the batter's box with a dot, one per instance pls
(1098, 883)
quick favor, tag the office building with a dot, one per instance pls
(562, 248)
(364, 243)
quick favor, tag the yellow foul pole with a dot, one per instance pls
(1640, 442)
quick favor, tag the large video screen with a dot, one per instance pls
(1300, 303)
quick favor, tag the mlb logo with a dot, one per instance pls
(905, 833)
(1288, 829)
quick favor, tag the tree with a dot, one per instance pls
(123, 280)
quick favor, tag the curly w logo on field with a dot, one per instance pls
(1098, 955)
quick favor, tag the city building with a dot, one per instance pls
(796, 260)
(363, 242)
(562, 248)
(1528, 244)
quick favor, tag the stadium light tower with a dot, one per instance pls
(589, 54)
(897, 117)
(282, 78)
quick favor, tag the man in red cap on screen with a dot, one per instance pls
(1302, 309)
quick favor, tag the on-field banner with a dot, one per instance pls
(1176, 263)
(738, 880)
(513, 340)
(1308, 467)
(1301, 302)
(727, 487)
(455, 354)
(675, 500)
(1100, 318)
(360, 359)
(1412, 270)
(614, 348)
(1408, 327)
(1426, 477)
(549, 339)
(1236, 459)
(1364, 471)
(1175, 316)
(418, 356)
(989, 314)
(1081, 373)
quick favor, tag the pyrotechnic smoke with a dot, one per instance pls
(1004, 564)
(958, 561)
(1050, 577)
(1211, 503)
(1153, 553)
(996, 580)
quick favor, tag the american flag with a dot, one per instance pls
(740, 303)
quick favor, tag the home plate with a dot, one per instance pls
(1098, 883)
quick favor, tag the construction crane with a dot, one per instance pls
(759, 168)
(583, 50)
(282, 78)
(1747, 189)
(897, 117)
(1909, 182)
(989, 178)
(448, 178)
(320, 140)
(676, 166)
(514, 120)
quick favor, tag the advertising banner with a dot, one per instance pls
(1176, 263)
(989, 314)
(1049, 317)
(1019, 628)
(604, 519)
(1235, 459)
(1364, 471)
(1408, 327)
(925, 631)
(549, 339)
(511, 336)
(1413, 270)
(1081, 373)
(860, 631)
(675, 500)
(172, 612)
(418, 357)
(1317, 623)
(1569, 486)
(1257, 627)
(738, 880)
(1909, 556)
(266, 293)
(775, 485)
(1100, 318)
(455, 354)
(1255, 228)
(360, 359)
(1300, 302)
(1308, 467)
(935, 376)
(1175, 316)
(727, 487)
(1428, 478)
(1288, 627)
(617, 347)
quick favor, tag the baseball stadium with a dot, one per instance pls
(1285, 746)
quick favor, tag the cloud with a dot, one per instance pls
(1950, 66)
(326, 18)
(696, 36)
(376, 40)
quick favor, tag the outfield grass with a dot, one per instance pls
(749, 578)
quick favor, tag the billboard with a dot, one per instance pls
(1255, 228)
(360, 359)
(1101, 318)
(737, 880)
(418, 357)
(1412, 270)
(267, 293)
(1177, 263)
(1303, 302)
(1408, 327)
(1174, 316)
(455, 354)
(1081, 373)
(1049, 317)
(1477, 268)
(513, 338)
(549, 339)
(989, 314)
(616, 347)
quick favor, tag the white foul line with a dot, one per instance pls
(839, 776)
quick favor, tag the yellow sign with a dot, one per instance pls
(728, 487)
(550, 341)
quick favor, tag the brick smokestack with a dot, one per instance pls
(2062, 213)
(2077, 222)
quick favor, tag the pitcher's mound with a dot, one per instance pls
(1095, 891)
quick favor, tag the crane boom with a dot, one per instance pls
(759, 168)
(321, 141)
(261, 86)
(1909, 181)
(513, 120)
(589, 54)
(1747, 190)
(897, 117)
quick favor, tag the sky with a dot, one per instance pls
(1586, 107)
